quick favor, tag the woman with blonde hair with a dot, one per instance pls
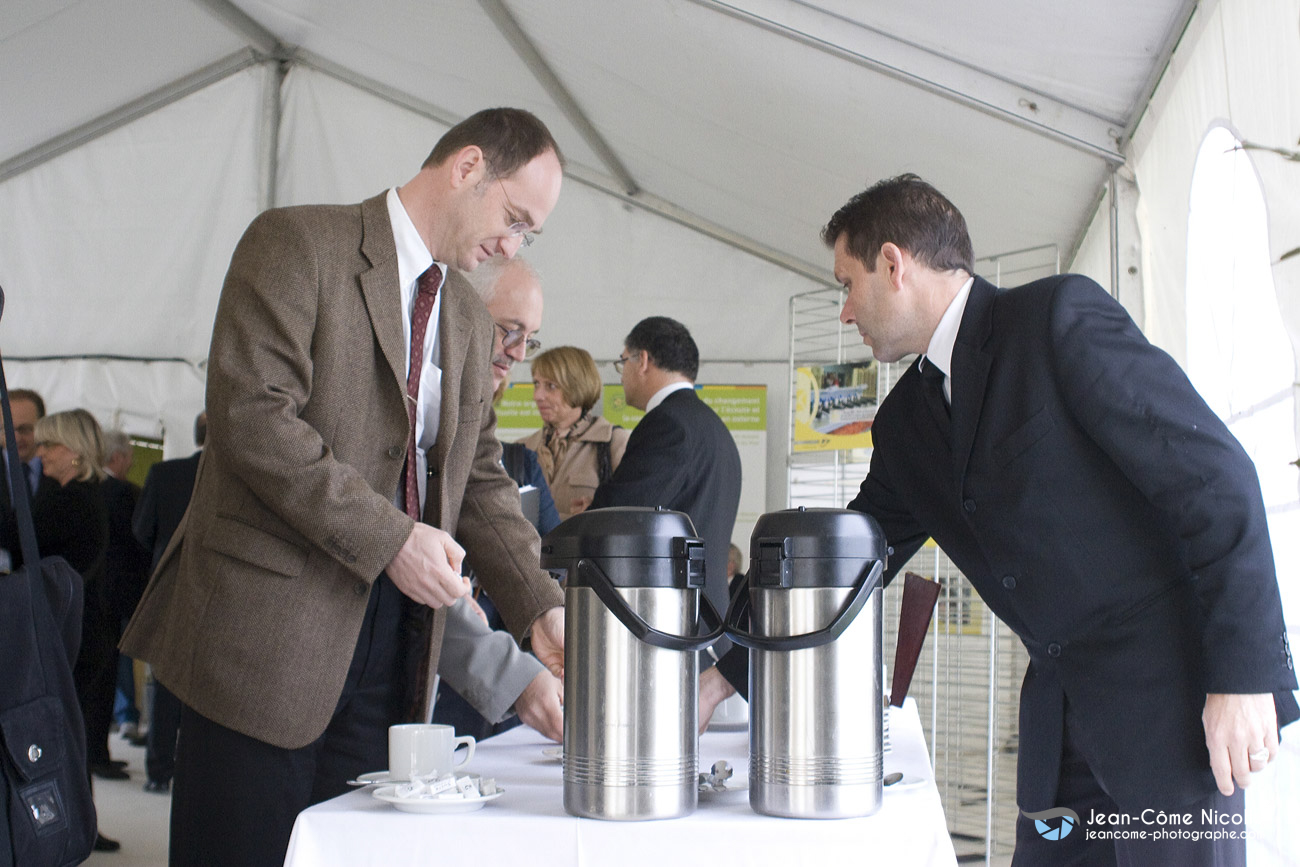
(577, 450)
(71, 521)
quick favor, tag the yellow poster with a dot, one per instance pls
(834, 406)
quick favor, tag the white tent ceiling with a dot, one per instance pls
(694, 129)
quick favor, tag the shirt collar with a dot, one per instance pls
(939, 352)
(665, 391)
(413, 257)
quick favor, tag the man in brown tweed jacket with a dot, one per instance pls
(297, 610)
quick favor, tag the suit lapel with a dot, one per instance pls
(454, 326)
(970, 366)
(379, 285)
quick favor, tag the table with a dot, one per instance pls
(528, 825)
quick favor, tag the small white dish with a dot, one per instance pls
(555, 753)
(388, 794)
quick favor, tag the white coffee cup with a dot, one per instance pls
(420, 750)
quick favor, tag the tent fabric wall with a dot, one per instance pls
(605, 263)
(1239, 65)
(184, 180)
(180, 182)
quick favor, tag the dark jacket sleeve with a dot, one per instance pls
(144, 522)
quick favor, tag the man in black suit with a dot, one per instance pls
(166, 496)
(1101, 509)
(680, 456)
(28, 407)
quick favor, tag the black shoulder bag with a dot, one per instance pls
(47, 816)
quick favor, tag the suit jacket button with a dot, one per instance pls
(969, 506)
(395, 452)
(1054, 650)
(361, 589)
(1009, 582)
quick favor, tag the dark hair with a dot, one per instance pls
(28, 395)
(509, 138)
(910, 213)
(668, 343)
(200, 428)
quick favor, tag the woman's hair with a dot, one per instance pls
(78, 431)
(574, 371)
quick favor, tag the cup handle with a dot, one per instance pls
(466, 741)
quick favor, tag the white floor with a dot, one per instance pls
(135, 818)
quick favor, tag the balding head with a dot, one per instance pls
(512, 292)
(119, 454)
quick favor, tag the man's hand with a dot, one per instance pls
(714, 690)
(1235, 727)
(427, 568)
(541, 705)
(548, 640)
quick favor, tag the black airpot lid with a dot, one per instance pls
(818, 533)
(618, 531)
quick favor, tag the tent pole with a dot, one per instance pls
(272, 111)
(1114, 235)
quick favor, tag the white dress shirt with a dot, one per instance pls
(665, 391)
(939, 352)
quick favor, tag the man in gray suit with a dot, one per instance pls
(486, 677)
(297, 612)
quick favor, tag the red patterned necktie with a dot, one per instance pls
(426, 294)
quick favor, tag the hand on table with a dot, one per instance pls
(541, 705)
(548, 640)
(1239, 731)
(427, 568)
(714, 690)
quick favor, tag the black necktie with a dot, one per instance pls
(932, 387)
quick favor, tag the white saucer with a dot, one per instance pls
(388, 794)
(556, 753)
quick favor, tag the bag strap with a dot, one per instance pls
(21, 498)
(604, 459)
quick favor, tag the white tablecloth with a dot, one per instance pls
(528, 825)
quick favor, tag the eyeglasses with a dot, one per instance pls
(619, 364)
(517, 228)
(512, 337)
